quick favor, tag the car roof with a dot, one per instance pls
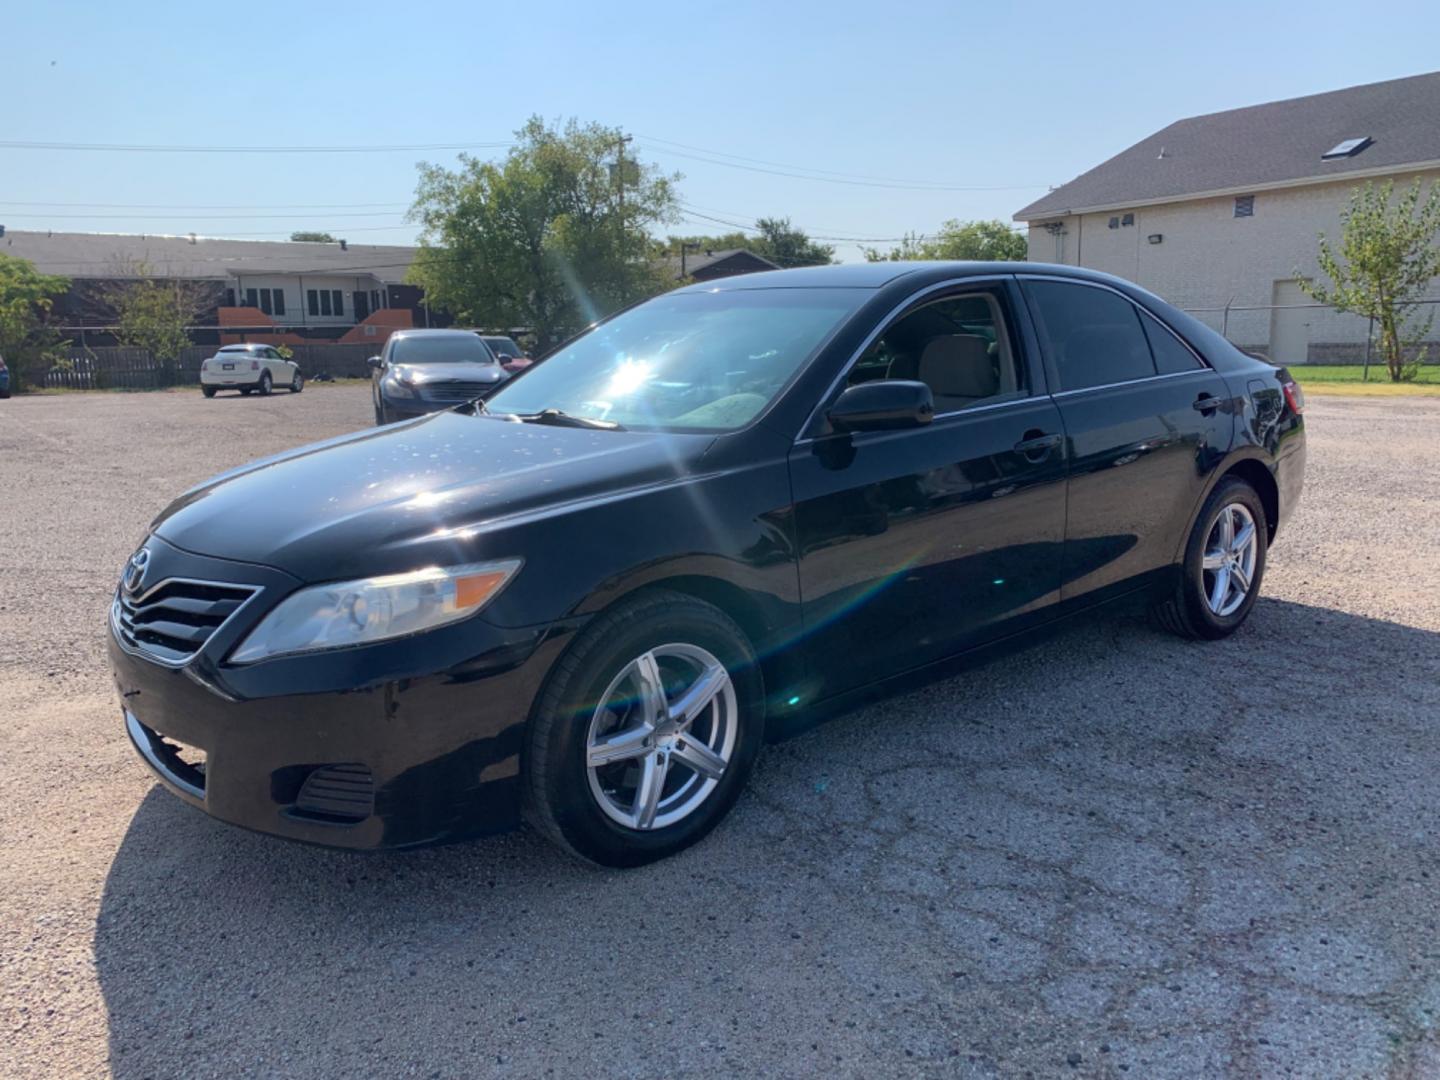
(245, 347)
(432, 333)
(879, 274)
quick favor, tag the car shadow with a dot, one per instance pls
(863, 875)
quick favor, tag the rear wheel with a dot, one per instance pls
(208, 391)
(265, 383)
(1223, 565)
(298, 383)
(646, 732)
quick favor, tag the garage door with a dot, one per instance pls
(1290, 324)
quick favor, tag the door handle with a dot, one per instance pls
(1036, 446)
(1207, 404)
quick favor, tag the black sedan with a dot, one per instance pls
(425, 371)
(723, 512)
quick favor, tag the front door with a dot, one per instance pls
(915, 544)
(1146, 420)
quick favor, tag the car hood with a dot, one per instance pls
(395, 498)
(423, 375)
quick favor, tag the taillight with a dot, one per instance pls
(204, 365)
(1294, 396)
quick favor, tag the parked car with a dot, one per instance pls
(247, 368)
(510, 355)
(425, 371)
(725, 511)
(4, 379)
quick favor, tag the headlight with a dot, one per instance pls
(394, 387)
(374, 609)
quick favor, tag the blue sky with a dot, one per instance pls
(1000, 100)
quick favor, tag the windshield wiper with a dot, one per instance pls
(557, 418)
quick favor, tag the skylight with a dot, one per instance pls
(1348, 148)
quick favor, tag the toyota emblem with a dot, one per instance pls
(135, 570)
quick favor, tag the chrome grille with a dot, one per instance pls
(172, 621)
(456, 391)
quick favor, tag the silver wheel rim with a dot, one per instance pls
(661, 737)
(1228, 569)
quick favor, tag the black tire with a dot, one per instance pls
(298, 383)
(558, 796)
(1185, 611)
(208, 391)
(265, 382)
(245, 391)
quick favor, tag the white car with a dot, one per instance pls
(249, 367)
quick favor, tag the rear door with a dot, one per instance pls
(1146, 419)
(915, 544)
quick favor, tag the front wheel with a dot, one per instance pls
(208, 391)
(265, 384)
(297, 384)
(1223, 565)
(646, 732)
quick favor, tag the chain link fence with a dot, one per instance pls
(1311, 333)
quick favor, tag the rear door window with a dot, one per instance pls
(1172, 355)
(1092, 336)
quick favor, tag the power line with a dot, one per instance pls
(212, 206)
(897, 185)
(155, 148)
(886, 181)
(208, 216)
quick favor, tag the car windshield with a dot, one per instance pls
(503, 345)
(696, 360)
(440, 349)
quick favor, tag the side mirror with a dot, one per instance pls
(375, 363)
(883, 405)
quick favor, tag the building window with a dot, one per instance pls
(265, 302)
(324, 301)
(229, 297)
(252, 298)
(338, 301)
(374, 299)
(279, 301)
(1244, 205)
(312, 301)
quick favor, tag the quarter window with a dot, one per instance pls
(959, 346)
(1092, 336)
(1171, 354)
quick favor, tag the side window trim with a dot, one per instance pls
(1020, 341)
(1052, 375)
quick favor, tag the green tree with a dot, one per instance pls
(1387, 258)
(552, 237)
(313, 237)
(155, 313)
(26, 299)
(985, 241)
(787, 246)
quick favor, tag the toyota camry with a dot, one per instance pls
(585, 599)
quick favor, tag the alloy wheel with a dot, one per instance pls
(1228, 567)
(662, 736)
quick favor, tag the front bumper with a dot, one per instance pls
(421, 736)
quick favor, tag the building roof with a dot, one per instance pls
(696, 261)
(108, 255)
(1275, 144)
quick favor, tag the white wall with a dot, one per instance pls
(1209, 257)
(295, 287)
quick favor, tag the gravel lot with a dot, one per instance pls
(1115, 855)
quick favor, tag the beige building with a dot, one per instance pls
(1220, 214)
